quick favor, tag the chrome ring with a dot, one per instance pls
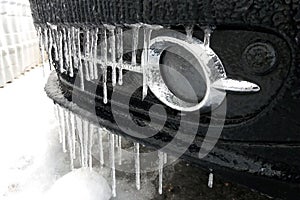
(209, 64)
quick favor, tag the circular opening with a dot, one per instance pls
(180, 72)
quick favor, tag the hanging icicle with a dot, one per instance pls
(62, 126)
(160, 171)
(91, 133)
(57, 110)
(210, 179)
(104, 64)
(70, 50)
(100, 135)
(95, 49)
(112, 45)
(60, 50)
(73, 130)
(50, 48)
(112, 160)
(79, 126)
(137, 166)
(120, 54)
(145, 60)
(120, 149)
(69, 137)
(86, 54)
(135, 42)
(80, 59)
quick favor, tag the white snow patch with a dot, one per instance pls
(80, 184)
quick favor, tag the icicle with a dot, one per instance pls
(112, 160)
(42, 47)
(210, 179)
(72, 121)
(53, 30)
(74, 47)
(160, 171)
(70, 50)
(69, 137)
(60, 49)
(91, 133)
(189, 33)
(120, 150)
(137, 166)
(50, 49)
(80, 60)
(104, 65)
(91, 54)
(86, 55)
(85, 142)
(112, 44)
(207, 35)
(95, 49)
(56, 107)
(63, 131)
(135, 40)
(79, 125)
(66, 50)
(100, 135)
(165, 158)
(120, 54)
(147, 37)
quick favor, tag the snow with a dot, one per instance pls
(33, 164)
(80, 184)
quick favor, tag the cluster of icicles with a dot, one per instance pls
(77, 133)
(98, 49)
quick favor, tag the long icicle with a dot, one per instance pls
(104, 65)
(112, 160)
(112, 42)
(135, 40)
(86, 54)
(160, 171)
(60, 125)
(74, 47)
(91, 134)
(66, 50)
(120, 52)
(137, 166)
(80, 68)
(85, 142)
(100, 135)
(73, 129)
(70, 139)
(61, 54)
(70, 53)
(91, 53)
(79, 125)
(145, 60)
(120, 150)
(50, 49)
(95, 54)
(63, 130)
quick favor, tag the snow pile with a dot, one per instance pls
(80, 184)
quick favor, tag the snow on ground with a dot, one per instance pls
(32, 162)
